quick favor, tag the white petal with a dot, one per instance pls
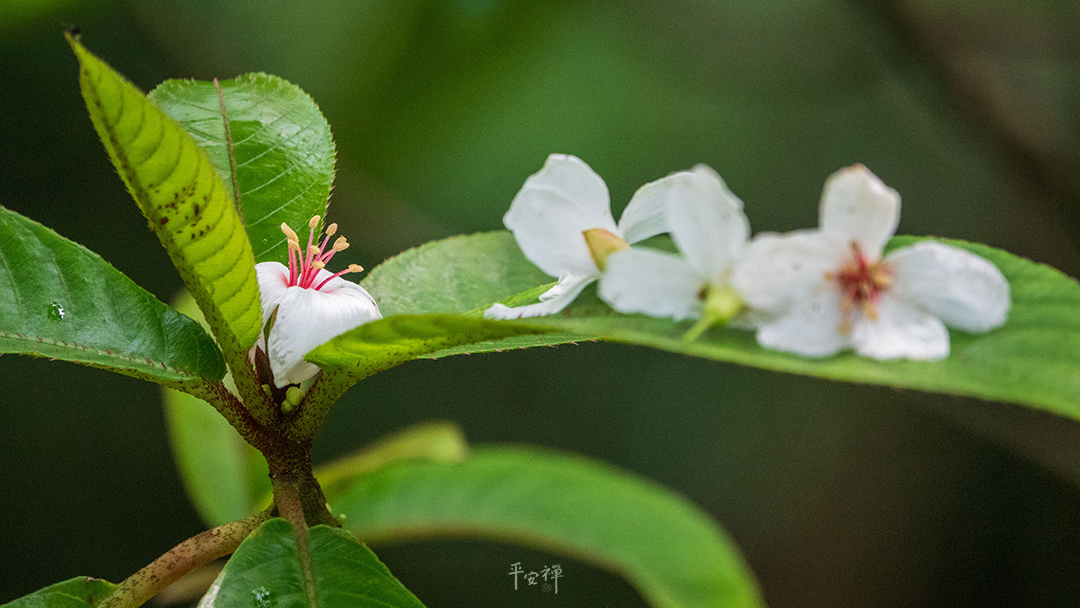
(811, 329)
(307, 318)
(551, 301)
(551, 211)
(645, 215)
(706, 221)
(900, 331)
(857, 206)
(654, 283)
(273, 280)
(960, 288)
(778, 271)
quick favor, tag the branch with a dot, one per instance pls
(180, 560)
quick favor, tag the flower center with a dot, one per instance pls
(861, 285)
(602, 243)
(304, 265)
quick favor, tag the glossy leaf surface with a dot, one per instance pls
(282, 154)
(182, 197)
(80, 592)
(270, 569)
(663, 545)
(62, 301)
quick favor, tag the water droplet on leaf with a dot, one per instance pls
(56, 311)
(262, 598)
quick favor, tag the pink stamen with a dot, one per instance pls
(304, 266)
(351, 268)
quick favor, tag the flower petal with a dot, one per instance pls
(900, 331)
(551, 211)
(551, 301)
(273, 280)
(778, 271)
(811, 329)
(960, 288)
(857, 206)
(654, 283)
(706, 221)
(645, 215)
(307, 318)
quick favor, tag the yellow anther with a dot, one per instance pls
(289, 233)
(313, 222)
(341, 244)
(313, 250)
(293, 244)
(355, 268)
(331, 229)
(319, 265)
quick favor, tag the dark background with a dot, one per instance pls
(838, 495)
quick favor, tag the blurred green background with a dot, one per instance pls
(838, 495)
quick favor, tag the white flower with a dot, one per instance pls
(822, 291)
(311, 304)
(562, 221)
(709, 227)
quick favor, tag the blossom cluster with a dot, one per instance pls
(812, 292)
(809, 292)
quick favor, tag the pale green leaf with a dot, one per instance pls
(223, 475)
(182, 197)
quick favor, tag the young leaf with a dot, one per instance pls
(183, 198)
(270, 569)
(664, 546)
(60, 300)
(268, 141)
(1034, 359)
(80, 592)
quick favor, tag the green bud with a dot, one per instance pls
(721, 304)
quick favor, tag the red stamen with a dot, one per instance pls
(861, 285)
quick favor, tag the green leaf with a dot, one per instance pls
(663, 545)
(60, 300)
(437, 441)
(184, 199)
(382, 344)
(224, 476)
(454, 275)
(80, 592)
(282, 152)
(271, 569)
(447, 285)
(1034, 359)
